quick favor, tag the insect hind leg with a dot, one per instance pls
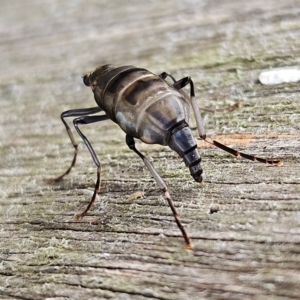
(88, 120)
(73, 113)
(83, 119)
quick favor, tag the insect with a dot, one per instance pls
(150, 108)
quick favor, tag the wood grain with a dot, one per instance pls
(130, 247)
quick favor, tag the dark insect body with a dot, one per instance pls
(149, 108)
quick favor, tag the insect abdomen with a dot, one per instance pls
(146, 106)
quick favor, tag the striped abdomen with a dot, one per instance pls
(146, 107)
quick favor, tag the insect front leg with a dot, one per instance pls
(73, 113)
(131, 144)
(164, 75)
(201, 130)
(181, 84)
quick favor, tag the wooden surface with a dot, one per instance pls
(131, 248)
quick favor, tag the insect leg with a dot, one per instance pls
(131, 144)
(73, 113)
(88, 120)
(181, 84)
(187, 80)
(164, 75)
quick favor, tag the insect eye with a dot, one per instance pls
(86, 80)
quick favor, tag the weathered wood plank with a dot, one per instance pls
(131, 248)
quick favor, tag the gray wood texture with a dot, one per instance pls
(129, 247)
